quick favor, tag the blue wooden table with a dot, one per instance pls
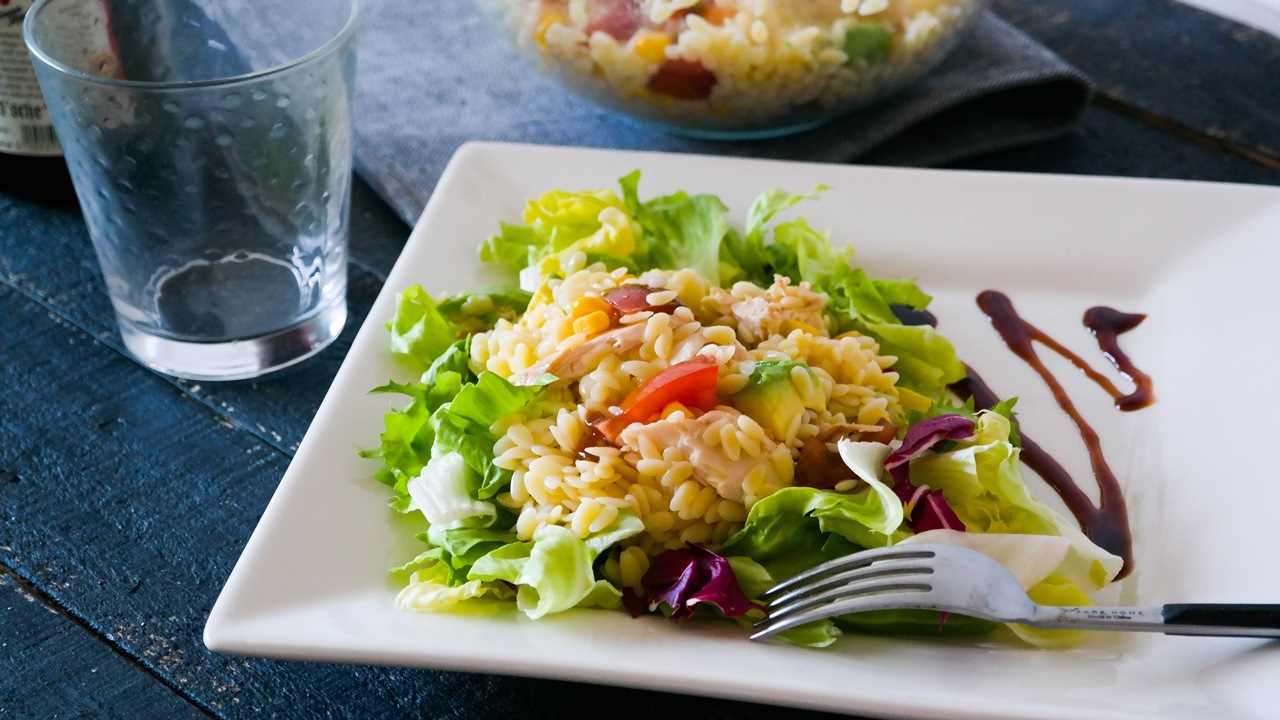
(126, 496)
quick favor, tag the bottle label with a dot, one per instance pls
(25, 126)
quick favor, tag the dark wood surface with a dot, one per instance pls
(126, 496)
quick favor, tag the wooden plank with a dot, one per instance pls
(42, 650)
(1169, 59)
(1110, 144)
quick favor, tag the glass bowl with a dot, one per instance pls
(735, 69)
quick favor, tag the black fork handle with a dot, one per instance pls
(1227, 620)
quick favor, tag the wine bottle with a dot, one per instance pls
(31, 163)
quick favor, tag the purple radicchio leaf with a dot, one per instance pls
(634, 604)
(922, 437)
(931, 512)
(685, 577)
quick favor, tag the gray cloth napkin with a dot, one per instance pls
(432, 79)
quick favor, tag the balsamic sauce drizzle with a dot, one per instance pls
(1107, 523)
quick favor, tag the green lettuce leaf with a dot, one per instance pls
(748, 257)
(927, 361)
(462, 426)
(902, 291)
(754, 579)
(680, 231)
(787, 531)
(429, 591)
(442, 492)
(559, 223)
(981, 480)
(419, 331)
(555, 571)
(480, 309)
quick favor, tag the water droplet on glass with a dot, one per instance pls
(230, 101)
(215, 44)
(172, 107)
(282, 101)
(194, 122)
(240, 256)
(246, 123)
(278, 131)
(258, 95)
(222, 140)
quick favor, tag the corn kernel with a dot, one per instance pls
(675, 407)
(652, 46)
(584, 306)
(596, 322)
(797, 325)
(544, 24)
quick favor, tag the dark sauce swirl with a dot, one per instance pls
(1107, 523)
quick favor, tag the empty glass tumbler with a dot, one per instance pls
(210, 146)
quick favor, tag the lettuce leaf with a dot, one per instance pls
(680, 231)
(442, 493)
(555, 571)
(788, 531)
(480, 309)
(754, 579)
(559, 223)
(981, 480)
(462, 426)
(419, 331)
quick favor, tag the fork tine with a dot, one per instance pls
(887, 568)
(848, 562)
(865, 588)
(885, 601)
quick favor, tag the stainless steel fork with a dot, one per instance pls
(955, 579)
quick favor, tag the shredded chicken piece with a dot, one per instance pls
(711, 465)
(573, 363)
(776, 311)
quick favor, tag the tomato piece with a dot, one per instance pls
(634, 298)
(683, 80)
(691, 383)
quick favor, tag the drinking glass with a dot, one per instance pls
(209, 142)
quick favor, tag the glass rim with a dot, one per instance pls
(330, 46)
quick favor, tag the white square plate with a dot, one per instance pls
(1199, 468)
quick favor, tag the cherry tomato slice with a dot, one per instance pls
(691, 383)
(683, 80)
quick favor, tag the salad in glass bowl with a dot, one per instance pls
(735, 68)
(668, 416)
